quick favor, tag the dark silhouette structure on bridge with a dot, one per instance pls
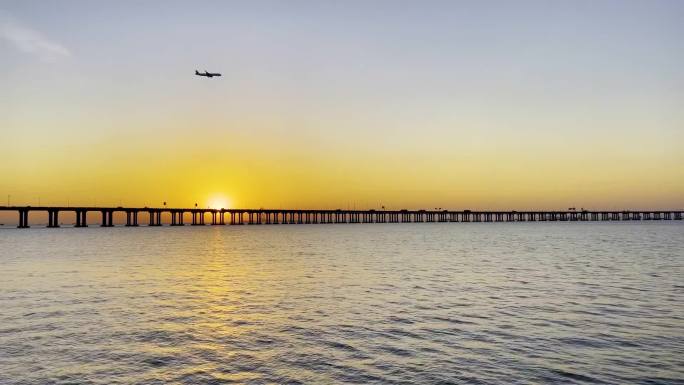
(281, 216)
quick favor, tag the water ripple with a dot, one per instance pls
(360, 304)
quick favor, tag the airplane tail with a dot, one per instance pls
(197, 72)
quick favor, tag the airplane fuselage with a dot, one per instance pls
(207, 74)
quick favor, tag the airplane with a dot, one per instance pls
(207, 74)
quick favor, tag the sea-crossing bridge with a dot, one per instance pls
(199, 216)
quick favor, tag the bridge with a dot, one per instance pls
(284, 216)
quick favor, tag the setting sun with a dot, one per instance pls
(219, 202)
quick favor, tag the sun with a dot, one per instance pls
(219, 202)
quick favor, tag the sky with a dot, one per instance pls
(354, 104)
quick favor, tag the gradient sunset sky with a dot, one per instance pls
(406, 104)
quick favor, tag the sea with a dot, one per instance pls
(422, 303)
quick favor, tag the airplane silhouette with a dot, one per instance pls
(207, 74)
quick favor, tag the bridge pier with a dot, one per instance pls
(23, 220)
(131, 218)
(177, 218)
(155, 218)
(53, 218)
(107, 220)
(197, 218)
(81, 218)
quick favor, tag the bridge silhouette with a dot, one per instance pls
(305, 216)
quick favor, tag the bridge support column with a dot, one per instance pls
(195, 217)
(154, 220)
(81, 220)
(177, 218)
(23, 219)
(131, 218)
(53, 220)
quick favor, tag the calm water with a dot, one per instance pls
(322, 304)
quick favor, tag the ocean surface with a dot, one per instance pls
(452, 303)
